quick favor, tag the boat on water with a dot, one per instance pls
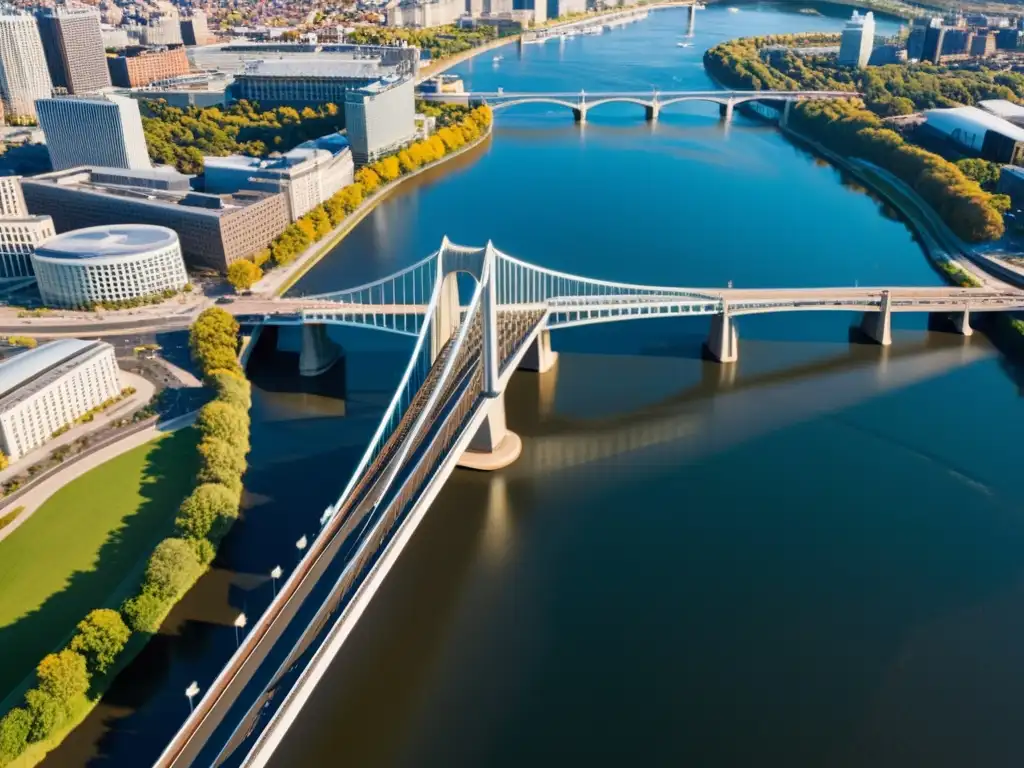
(733, 10)
(685, 45)
(496, 59)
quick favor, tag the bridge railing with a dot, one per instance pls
(412, 285)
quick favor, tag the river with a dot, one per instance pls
(813, 557)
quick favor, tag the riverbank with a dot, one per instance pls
(279, 281)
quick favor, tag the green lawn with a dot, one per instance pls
(85, 548)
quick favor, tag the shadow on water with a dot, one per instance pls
(170, 466)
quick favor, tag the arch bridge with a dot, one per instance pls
(448, 410)
(652, 102)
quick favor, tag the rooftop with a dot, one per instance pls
(317, 66)
(27, 373)
(324, 148)
(107, 241)
(382, 85)
(1002, 108)
(951, 119)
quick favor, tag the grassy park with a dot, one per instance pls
(86, 548)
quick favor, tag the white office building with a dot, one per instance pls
(12, 199)
(19, 238)
(380, 118)
(858, 39)
(48, 387)
(307, 175)
(425, 13)
(23, 73)
(104, 131)
(109, 264)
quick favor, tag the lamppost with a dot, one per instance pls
(301, 545)
(274, 576)
(327, 515)
(191, 691)
(239, 624)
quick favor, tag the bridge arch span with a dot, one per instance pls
(535, 100)
(618, 100)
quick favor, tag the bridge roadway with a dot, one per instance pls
(288, 637)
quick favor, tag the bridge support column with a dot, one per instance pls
(725, 110)
(493, 446)
(960, 321)
(877, 325)
(539, 357)
(651, 112)
(723, 342)
(786, 109)
(318, 353)
(692, 22)
(579, 114)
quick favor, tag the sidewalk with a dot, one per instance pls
(37, 495)
(144, 390)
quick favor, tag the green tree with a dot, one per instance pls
(14, 730)
(102, 635)
(145, 611)
(243, 274)
(47, 713)
(982, 171)
(231, 388)
(63, 675)
(207, 512)
(171, 570)
(226, 422)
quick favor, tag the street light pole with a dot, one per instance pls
(301, 545)
(239, 624)
(274, 576)
(191, 691)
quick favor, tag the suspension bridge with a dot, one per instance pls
(652, 102)
(447, 409)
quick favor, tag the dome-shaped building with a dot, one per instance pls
(115, 263)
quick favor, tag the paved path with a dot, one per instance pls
(35, 496)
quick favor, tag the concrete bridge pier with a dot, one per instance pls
(958, 322)
(877, 326)
(651, 112)
(723, 342)
(539, 358)
(579, 114)
(725, 110)
(493, 446)
(962, 322)
(787, 107)
(318, 352)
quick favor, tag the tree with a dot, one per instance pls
(144, 611)
(207, 512)
(225, 422)
(231, 388)
(222, 462)
(14, 730)
(47, 713)
(63, 675)
(101, 636)
(368, 179)
(243, 274)
(982, 171)
(172, 569)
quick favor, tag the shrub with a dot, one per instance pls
(204, 550)
(63, 675)
(14, 730)
(46, 712)
(172, 569)
(144, 612)
(207, 512)
(101, 637)
(231, 389)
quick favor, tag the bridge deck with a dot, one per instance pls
(294, 627)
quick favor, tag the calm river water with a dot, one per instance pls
(814, 557)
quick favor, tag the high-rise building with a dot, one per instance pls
(920, 31)
(19, 238)
(12, 200)
(983, 44)
(300, 81)
(93, 131)
(23, 74)
(165, 30)
(858, 39)
(73, 44)
(194, 30)
(380, 118)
